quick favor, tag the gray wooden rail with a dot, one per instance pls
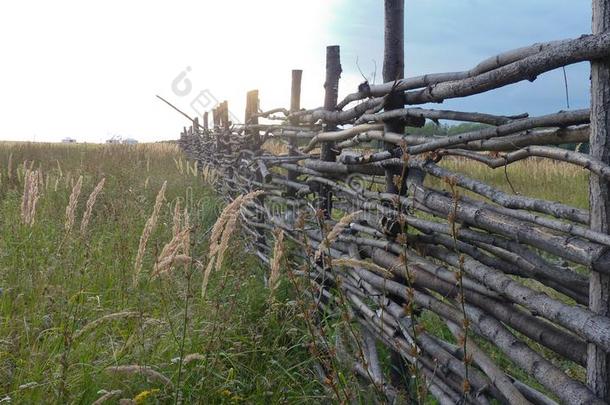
(501, 271)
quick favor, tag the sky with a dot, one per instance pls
(91, 70)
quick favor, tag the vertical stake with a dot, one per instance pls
(331, 94)
(598, 361)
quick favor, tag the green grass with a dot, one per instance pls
(54, 283)
(540, 178)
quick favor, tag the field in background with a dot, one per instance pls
(534, 177)
(70, 312)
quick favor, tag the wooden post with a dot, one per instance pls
(331, 94)
(196, 125)
(251, 107)
(224, 115)
(295, 105)
(250, 118)
(225, 125)
(598, 361)
(393, 69)
(205, 121)
(215, 127)
(216, 118)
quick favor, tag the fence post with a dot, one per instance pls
(196, 125)
(224, 125)
(224, 115)
(250, 117)
(215, 127)
(251, 107)
(295, 105)
(331, 94)
(394, 69)
(598, 361)
(205, 122)
(215, 118)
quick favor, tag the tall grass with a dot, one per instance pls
(74, 328)
(540, 178)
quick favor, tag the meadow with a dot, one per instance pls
(102, 252)
(88, 314)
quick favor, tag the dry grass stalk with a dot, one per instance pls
(147, 231)
(165, 264)
(176, 219)
(221, 234)
(176, 251)
(365, 265)
(19, 173)
(179, 165)
(107, 397)
(172, 254)
(186, 224)
(275, 147)
(209, 174)
(143, 370)
(189, 358)
(31, 194)
(106, 318)
(278, 253)
(9, 170)
(71, 207)
(90, 203)
(335, 232)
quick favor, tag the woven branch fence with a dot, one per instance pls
(525, 277)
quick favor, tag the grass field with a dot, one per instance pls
(540, 178)
(79, 321)
(70, 310)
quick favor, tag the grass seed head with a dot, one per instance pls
(90, 202)
(336, 231)
(278, 252)
(221, 234)
(91, 326)
(31, 194)
(71, 207)
(147, 231)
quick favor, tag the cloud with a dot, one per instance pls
(445, 36)
(91, 70)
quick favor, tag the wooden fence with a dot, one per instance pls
(506, 273)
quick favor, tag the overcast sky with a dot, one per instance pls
(90, 70)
